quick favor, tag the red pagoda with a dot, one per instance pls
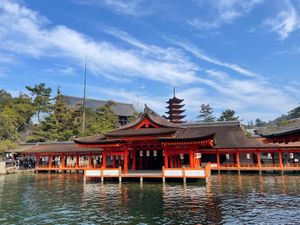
(175, 109)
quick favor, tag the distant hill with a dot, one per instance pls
(293, 114)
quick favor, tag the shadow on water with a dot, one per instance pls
(224, 199)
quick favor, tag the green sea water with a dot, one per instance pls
(224, 199)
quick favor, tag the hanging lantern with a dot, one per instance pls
(147, 153)
(154, 153)
(181, 156)
(163, 152)
(269, 156)
(227, 156)
(122, 157)
(141, 153)
(198, 155)
(111, 157)
(291, 155)
(247, 156)
(117, 157)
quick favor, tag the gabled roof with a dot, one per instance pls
(120, 109)
(153, 117)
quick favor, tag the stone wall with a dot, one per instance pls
(2, 168)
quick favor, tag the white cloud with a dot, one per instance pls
(128, 7)
(201, 55)
(285, 22)
(224, 12)
(23, 33)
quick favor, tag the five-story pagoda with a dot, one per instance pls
(175, 109)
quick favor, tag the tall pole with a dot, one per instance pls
(83, 103)
(174, 91)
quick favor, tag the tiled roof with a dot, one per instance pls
(120, 109)
(57, 147)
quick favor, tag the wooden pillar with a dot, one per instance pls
(191, 156)
(166, 158)
(258, 160)
(134, 160)
(63, 159)
(126, 160)
(280, 158)
(238, 159)
(50, 158)
(171, 161)
(218, 160)
(77, 161)
(104, 159)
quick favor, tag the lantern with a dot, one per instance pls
(198, 155)
(181, 156)
(247, 156)
(269, 156)
(147, 153)
(141, 153)
(227, 156)
(291, 155)
(154, 153)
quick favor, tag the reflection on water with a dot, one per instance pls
(224, 199)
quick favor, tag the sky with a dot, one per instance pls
(231, 54)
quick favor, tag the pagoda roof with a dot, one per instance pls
(174, 100)
(175, 111)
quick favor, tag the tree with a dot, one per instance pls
(41, 99)
(228, 115)
(59, 125)
(102, 120)
(259, 123)
(15, 117)
(206, 113)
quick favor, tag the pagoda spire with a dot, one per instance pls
(175, 109)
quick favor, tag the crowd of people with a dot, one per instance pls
(21, 163)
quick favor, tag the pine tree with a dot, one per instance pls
(228, 115)
(41, 99)
(60, 125)
(206, 113)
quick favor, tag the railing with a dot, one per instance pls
(101, 172)
(186, 172)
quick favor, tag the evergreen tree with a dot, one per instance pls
(41, 99)
(15, 117)
(206, 113)
(228, 115)
(60, 125)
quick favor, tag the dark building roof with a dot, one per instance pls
(54, 147)
(120, 109)
(227, 135)
(224, 134)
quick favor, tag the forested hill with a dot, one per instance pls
(293, 114)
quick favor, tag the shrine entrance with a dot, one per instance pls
(149, 159)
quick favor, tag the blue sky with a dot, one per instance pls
(242, 55)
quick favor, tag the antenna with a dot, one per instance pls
(84, 93)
